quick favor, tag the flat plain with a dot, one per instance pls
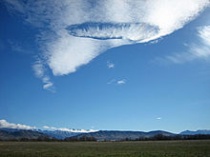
(192, 148)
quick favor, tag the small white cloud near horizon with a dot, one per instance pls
(159, 118)
(5, 124)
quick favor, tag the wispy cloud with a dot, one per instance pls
(111, 81)
(204, 34)
(17, 47)
(72, 33)
(48, 85)
(39, 70)
(110, 65)
(200, 50)
(117, 82)
(5, 124)
(69, 130)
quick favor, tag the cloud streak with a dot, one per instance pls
(204, 34)
(117, 82)
(5, 124)
(40, 73)
(200, 50)
(72, 33)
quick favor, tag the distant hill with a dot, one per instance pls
(59, 134)
(120, 135)
(197, 132)
(15, 134)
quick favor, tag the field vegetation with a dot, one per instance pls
(187, 148)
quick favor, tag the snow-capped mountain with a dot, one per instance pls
(62, 133)
(10, 131)
(111, 135)
(189, 132)
(59, 134)
(54, 132)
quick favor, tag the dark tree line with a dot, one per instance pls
(83, 138)
(157, 137)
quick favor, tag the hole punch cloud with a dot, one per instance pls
(136, 32)
(74, 32)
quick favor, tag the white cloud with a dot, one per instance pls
(5, 124)
(48, 84)
(199, 50)
(204, 34)
(121, 82)
(39, 70)
(69, 130)
(202, 50)
(110, 65)
(159, 118)
(172, 15)
(69, 53)
(68, 42)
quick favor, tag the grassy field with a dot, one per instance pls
(106, 149)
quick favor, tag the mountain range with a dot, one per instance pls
(59, 134)
(19, 134)
(103, 135)
(120, 135)
(197, 132)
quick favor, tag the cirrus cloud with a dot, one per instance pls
(199, 50)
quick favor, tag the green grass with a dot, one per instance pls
(106, 149)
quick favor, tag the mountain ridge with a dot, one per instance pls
(196, 132)
(22, 135)
(110, 135)
(101, 135)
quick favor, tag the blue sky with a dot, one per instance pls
(110, 65)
